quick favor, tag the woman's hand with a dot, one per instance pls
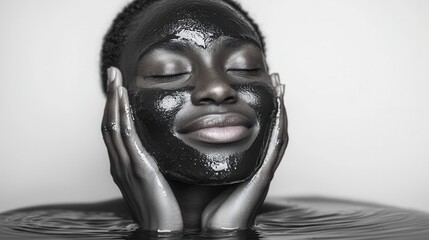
(147, 193)
(236, 208)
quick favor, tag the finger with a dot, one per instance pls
(113, 155)
(283, 109)
(113, 124)
(278, 139)
(115, 166)
(106, 128)
(283, 137)
(278, 130)
(275, 79)
(280, 91)
(117, 76)
(139, 157)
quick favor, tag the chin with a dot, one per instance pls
(216, 164)
(214, 173)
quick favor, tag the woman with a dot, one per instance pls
(194, 125)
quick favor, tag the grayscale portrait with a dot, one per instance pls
(214, 119)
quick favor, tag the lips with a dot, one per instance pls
(217, 128)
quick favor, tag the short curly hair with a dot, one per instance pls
(118, 32)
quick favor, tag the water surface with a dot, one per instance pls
(285, 218)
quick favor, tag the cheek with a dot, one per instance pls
(260, 97)
(169, 103)
(158, 101)
(249, 97)
(155, 110)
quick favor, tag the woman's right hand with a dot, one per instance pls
(146, 191)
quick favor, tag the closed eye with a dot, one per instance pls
(244, 71)
(167, 77)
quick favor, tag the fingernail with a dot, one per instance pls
(277, 78)
(112, 74)
(282, 89)
(120, 91)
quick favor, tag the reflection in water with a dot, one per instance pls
(291, 219)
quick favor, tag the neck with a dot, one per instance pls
(192, 200)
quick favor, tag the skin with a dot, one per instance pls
(161, 203)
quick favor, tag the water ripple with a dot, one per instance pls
(291, 219)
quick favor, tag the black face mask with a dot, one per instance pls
(155, 111)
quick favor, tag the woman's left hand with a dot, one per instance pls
(236, 208)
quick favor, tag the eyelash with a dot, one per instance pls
(168, 76)
(244, 70)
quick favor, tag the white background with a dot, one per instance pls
(357, 77)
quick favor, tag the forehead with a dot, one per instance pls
(193, 20)
(197, 22)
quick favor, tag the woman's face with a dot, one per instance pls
(200, 91)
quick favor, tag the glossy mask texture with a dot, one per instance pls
(155, 111)
(194, 21)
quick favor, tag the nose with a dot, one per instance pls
(213, 89)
